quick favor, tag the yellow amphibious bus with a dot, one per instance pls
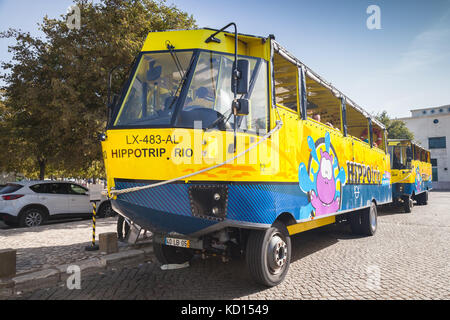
(411, 173)
(225, 143)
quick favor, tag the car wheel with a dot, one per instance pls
(32, 217)
(268, 254)
(106, 210)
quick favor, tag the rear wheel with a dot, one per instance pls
(422, 199)
(32, 217)
(369, 220)
(364, 222)
(106, 210)
(355, 222)
(172, 255)
(268, 254)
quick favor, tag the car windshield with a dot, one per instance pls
(158, 96)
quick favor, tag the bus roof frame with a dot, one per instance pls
(313, 75)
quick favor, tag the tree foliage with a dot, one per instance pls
(397, 129)
(56, 87)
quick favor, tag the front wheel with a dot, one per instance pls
(268, 254)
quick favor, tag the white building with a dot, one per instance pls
(431, 128)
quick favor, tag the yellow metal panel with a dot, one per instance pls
(195, 39)
(305, 226)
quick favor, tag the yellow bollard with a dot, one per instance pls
(93, 246)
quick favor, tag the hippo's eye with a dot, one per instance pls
(326, 168)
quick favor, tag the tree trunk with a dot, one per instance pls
(41, 169)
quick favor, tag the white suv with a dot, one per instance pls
(31, 203)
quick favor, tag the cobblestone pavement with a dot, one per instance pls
(408, 258)
(53, 244)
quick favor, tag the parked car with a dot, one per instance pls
(31, 203)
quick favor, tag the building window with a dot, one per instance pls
(436, 121)
(425, 112)
(435, 174)
(432, 111)
(441, 110)
(437, 143)
(434, 170)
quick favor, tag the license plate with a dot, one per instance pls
(177, 242)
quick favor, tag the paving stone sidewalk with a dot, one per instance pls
(54, 244)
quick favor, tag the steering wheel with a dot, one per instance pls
(207, 115)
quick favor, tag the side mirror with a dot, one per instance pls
(241, 107)
(242, 78)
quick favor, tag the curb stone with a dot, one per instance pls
(53, 276)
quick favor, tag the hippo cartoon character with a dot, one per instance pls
(321, 185)
(418, 180)
(325, 201)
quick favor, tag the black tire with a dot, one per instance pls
(106, 210)
(369, 220)
(172, 255)
(422, 199)
(407, 204)
(32, 217)
(261, 245)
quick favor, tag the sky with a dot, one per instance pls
(403, 65)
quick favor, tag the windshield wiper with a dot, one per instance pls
(184, 76)
(170, 47)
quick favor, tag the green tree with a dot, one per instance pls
(56, 88)
(397, 129)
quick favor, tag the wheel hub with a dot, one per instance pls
(33, 219)
(277, 254)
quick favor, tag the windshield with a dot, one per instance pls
(150, 98)
(400, 157)
(203, 100)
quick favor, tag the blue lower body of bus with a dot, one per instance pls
(400, 190)
(196, 208)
